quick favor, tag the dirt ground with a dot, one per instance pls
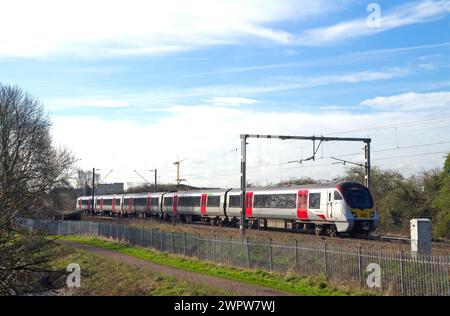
(236, 287)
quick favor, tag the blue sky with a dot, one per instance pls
(189, 77)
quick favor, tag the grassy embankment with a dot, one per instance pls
(101, 276)
(292, 283)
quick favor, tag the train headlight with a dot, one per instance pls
(372, 214)
(354, 214)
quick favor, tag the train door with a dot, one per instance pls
(248, 204)
(330, 202)
(203, 204)
(113, 204)
(101, 204)
(302, 204)
(175, 203)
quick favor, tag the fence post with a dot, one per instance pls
(68, 229)
(325, 259)
(129, 233)
(171, 241)
(151, 237)
(360, 266)
(296, 255)
(214, 247)
(446, 270)
(161, 239)
(248, 253)
(231, 249)
(59, 228)
(184, 244)
(198, 247)
(270, 254)
(402, 285)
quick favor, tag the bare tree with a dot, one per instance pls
(83, 180)
(30, 168)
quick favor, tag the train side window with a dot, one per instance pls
(337, 196)
(196, 201)
(275, 201)
(143, 201)
(259, 201)
(213, 201)
(285, 201)
(168, 201)
(314, 200)
(235, 201)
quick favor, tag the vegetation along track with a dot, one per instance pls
(277, 235)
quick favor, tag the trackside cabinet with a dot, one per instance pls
(420, 235)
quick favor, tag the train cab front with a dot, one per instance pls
(360, 210)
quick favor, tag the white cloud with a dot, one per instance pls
(412, 13)
(167, 99)
(410, 101)
(231, 101)
(333, 60)
(74, 103)
(277, 84)
(164, 99)
(136, 27)
(209, 133)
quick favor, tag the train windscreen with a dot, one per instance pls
(357, 195)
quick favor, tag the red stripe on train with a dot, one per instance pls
(249, 204)
(203, 204)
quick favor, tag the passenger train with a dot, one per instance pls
(326, 209)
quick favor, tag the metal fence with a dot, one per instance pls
(401, 273)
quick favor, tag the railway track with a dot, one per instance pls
(276, 234)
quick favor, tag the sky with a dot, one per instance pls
(132, 86)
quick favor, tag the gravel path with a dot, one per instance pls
(235, 287)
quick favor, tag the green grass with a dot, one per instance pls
(101, 276)
(291, 283)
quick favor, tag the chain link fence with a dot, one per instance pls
(401, 273)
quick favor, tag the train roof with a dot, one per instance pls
(142, 194)
(234, 190)
(84, 197)
(209, 191)
(330, 185)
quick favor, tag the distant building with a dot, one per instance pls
(109, 188)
